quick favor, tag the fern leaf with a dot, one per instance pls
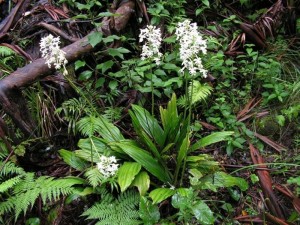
(94, 177)
(28, 189)
(109, 211)
(10, 183)
(10, 168)
(5, 51)
(197, 92)
(90, 125)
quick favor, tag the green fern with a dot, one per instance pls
(6, 51)
(26, 189)
(113, 113)
(116, 211)
(90, 125)
(9, 168)
(72, 110)
(200, 93)
(4, 186)
(9, 60)
(94, 177)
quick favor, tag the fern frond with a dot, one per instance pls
(28, 189)
(4, 186)
(90, 125)
(123, 210)
(197, 91)
(72, 110)
(112, 114)
(94, 177)
(10, 168)
(6, 51)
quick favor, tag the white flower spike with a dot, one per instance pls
(152, 37)
(107, 166)
(49, 47)
(191, 45)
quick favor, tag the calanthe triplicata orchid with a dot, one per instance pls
(152, 37)
(107, 166)
(191, 45)
(51, 52)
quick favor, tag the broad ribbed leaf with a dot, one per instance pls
(151, 146)
(211, 139)
(203, 213)
(142, 120)
(142, 182)
(222, 179)
(183, 150)
(149, 212)
(145, 159)
(127, 173)
(72, 160)
(170, 120)
(160, 194)
(108, 130)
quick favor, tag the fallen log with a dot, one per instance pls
(11, 97)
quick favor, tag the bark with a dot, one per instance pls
(10, 95)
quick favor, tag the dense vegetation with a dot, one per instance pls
(97, 129)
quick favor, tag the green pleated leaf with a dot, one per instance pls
(142, 120)
(222, 179)
(149, 212)
(203, 213)
(160, 194)
(145, 159)
(72, 160)
(211, 139)
(127, 173)
(142, 182)
(183, 150)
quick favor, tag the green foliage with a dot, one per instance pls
(149, 212)
(126, 174)
(94, 177)
(160, 194)
(112, 211)
(9, 60)
(72, 110)
(197, 92)
(91, 125)
(25, 189)
(190, 206)
(72, 160)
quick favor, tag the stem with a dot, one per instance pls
(152, 94)
(190, 99)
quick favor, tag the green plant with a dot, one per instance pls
(9, 60)
(20, 190)
(111, 210)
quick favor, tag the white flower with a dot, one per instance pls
(107, 166)
(150, 49)
(191, 45)
(49, 47)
